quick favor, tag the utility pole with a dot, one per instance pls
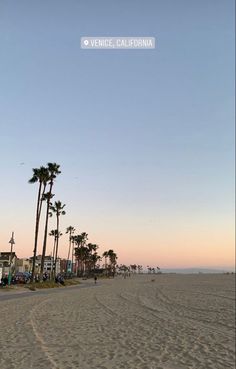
(12, 242)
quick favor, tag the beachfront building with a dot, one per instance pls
(7, 259)
(65, 266)
(23, 265)
(48, 264)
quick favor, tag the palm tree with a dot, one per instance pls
(92, 247)
(112, 260)
(57, 208)
(140, 268)
(69, 230)
(53, 171)
(73, 238)
(39, 175)
(94, 259)
(133, 268)
(105, 255)
(55, 234)
(93, 256)
(81, 254)
(112, 257)
(81, 250)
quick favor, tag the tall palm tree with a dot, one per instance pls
(93, 256)
(81, 250)
(111, 255)
(81, 254)
(40, 175)
(53, 171)
(57, 208)
(73, 239)
(69, 230)
(94, 259)
(112, 258)
(55, 234)
(105, 255)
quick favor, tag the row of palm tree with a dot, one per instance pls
(134, 268)
(45, 177)
(130, 268)
(87, 256)
(153, 270)
(85, 253)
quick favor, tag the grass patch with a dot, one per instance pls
(31, 288)
(103, 276)
(71, 282)
(50, 284)
(41, 285)
(8, 288)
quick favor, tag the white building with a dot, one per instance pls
(48, 264)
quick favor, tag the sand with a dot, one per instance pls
(174, 322)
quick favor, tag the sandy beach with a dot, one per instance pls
(172, 322)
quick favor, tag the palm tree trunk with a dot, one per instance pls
(53, 257)
(36, 231)
(45, 233)
(68, 252)
(57, 243)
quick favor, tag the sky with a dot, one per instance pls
(144, 138)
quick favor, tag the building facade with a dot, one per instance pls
(7, 262)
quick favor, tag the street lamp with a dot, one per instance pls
(12, 242)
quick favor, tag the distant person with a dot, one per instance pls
(95, 279)
(5, 280)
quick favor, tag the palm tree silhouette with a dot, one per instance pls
(55, 234)
(69, 230)
(105, 255)
(41, 176)
(93, 256)
(112, 261)
(81, 250)
(57, 208)
(53, 171)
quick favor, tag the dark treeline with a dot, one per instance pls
(84, 255)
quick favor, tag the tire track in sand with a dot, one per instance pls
(43, 345)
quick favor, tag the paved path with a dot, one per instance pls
(22, 293)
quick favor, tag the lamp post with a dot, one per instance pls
(12, 242)
(72, 257)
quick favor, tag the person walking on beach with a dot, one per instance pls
(95, 279)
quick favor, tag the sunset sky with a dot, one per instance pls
(145, 138)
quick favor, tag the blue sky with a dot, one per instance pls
(145, 138)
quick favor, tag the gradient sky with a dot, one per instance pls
(145, 138)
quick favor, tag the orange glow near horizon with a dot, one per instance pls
(179, 248)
